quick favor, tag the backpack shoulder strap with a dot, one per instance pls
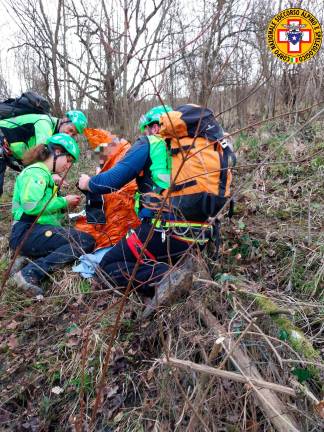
(161, 163)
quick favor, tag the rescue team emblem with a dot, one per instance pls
(294, 35)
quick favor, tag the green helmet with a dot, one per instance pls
(153, 116)
(79, 120)
(66, 142)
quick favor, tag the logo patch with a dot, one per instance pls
(48, 233)
(294, 35)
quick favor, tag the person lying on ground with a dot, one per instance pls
(107, 217)
(38, 210)
(22, 133)
(115, 214)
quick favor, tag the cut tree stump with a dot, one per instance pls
(173, 286)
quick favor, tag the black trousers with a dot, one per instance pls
(3, 166)
(52, 247)
(118, 263)
(11, 162)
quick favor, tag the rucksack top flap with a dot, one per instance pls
(193, 121)
(172, 126)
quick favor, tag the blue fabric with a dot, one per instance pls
(124, 171)
(146, 213)
(88, 263)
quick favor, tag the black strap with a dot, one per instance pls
(224, 158)
(179, 187)
(175, 151)
(209, 204)
(11, 161)
(230, 213)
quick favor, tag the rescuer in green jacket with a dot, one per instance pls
(20, 134)
(35, 193)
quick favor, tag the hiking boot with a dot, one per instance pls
(20, 262)
(175, 284)
(26, 285)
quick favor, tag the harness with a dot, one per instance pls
(6, 154)
(186, 231)
(4, 145)
(135, 245)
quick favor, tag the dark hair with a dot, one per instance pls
(37, 154)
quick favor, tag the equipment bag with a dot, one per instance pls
(28, 103)
(95, 208)
(201, 158)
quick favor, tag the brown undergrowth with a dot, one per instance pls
(266, 289)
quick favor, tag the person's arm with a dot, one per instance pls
(33, 198)
(43, 129)
(123, 172)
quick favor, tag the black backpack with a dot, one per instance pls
(28, 103)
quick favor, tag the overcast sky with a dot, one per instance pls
(9, 30)
(8, 69)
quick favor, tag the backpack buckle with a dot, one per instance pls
(224, 143)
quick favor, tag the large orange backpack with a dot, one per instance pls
(201, 159)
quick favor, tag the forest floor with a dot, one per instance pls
(264, 295)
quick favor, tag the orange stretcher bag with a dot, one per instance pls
(118, 206)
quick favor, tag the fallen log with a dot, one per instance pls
(274, 409)
(186, 364)
(294, 336)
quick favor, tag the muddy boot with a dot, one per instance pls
(174, 285)
(28, 286)
(19, 263)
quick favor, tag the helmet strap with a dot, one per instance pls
(56, 156)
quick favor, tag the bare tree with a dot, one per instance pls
(110, 56)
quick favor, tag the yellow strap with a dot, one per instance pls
(178, 224)
(190, 240)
